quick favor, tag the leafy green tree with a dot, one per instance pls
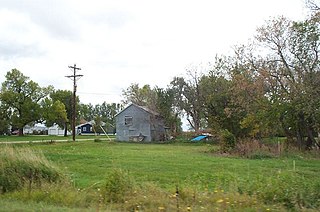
(65, 97)
(54, 112)
(157, 99)
(189, 99)
(143, 96)
(165, 107)
(4, 121)
(86, 111)
(97, 125)
(99, 113)
(293, 67)
(20, 99)
(107, 112)
(250, 105)
(216, 97)
(112, 110)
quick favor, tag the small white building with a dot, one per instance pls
(56, 130)
(35, 129)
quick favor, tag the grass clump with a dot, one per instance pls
(61, 194)
(118, 186)
(97, 140)
(22, 167)
(227, 141)
(287, 188)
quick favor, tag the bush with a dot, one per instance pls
(97, 140)
(118, 186)
(255, 149)
(23, 167)
(227, 141)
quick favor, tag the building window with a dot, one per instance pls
(84, 129)
(128, 120)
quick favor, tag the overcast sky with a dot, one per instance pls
(119, 42)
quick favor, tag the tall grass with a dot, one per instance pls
(171, 177)
(22, 167)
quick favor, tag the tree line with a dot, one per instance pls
(268, 87)
(23, 102)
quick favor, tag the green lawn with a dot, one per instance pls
(31, 138)
(170, 164)
(282, 180)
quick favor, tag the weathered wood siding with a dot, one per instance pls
(142, 123)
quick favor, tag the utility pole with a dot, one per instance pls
(74, 78)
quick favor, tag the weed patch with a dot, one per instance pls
(97, 140)
(227, 141)
(22, 167)
(118, 186)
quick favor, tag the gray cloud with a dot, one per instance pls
(55, 16)
(9, 50)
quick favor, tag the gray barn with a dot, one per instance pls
(137, 123)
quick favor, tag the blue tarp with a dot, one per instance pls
(199, 138)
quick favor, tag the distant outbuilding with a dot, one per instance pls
(87, 128)
(56, 130)
(137, 123)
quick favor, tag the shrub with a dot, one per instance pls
(23, 167)
(118, 186)
(227, 140)
(255, 149)
(97, 140)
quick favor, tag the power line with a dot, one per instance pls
(74, 78)
(98, 94)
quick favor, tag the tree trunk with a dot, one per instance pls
(65, 130)
(20, 133)
(300, 131)
(300, 139)
(311, 140)
(286, 130)
(317, 141)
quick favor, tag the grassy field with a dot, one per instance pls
(32, 138)
(285, 183)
